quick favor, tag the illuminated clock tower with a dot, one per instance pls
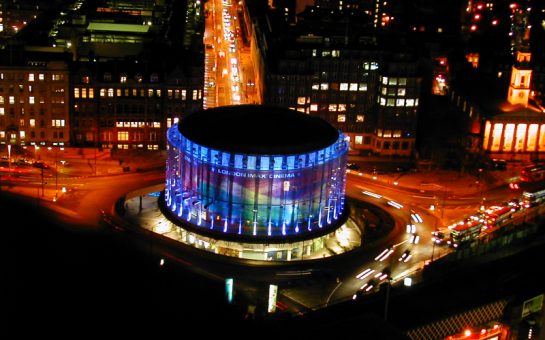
(519, 86)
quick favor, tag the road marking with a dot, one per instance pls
(332, 292)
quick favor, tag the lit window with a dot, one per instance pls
(85, 79)
(21, 122)
(102, 92)
(31, 77)
(400, 102)
(416, 102)
(2, 111)
(315, 86)
(91, 93)
(2, 134)
(41, 76)
(324, 86)
(156, 124)
(409, 102)
(57, 122)
(401, 91)
(118, 92)
(341, 118)
(385, 80)
(110, 92)
(360, 118)
(392, 81)
(402, 81)
(158, 93)
(76, 92)
(11, 99)
(84, 93)
(314, 107)
(358, 140)
(387, 134)
(169, 94)
(123, 78)
(390, 102)
(384, 91)
(344, 86)
(397, 133)
(22, 134)
(184, 94)
(194, 97)
(382, 101)
(342, 107)
(122, 135)
(1, 99)
(353, 86)
(119, 124)
(32, 122)
(332, 107)
(301, 100)
(150, 92)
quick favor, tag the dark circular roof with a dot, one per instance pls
(256, 129)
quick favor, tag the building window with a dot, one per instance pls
(184, 94)
(123, 78)
(360, 118)
(138, 77)
(91, 93)
(32, 122)
(401, 91)
(107, 76)
(110, 92)
(85, 79)
(402, 81)
(332, 107)
(2, 111)
(314, 107)
(22, 134)
(385, 80)
(57, 122)
(154, 78)
(392, 81)
(358, 140)
(363, 87)
(11, 99)
(76, 92)
(315, 86)
(341, 118)
(1, 99)
(31, 77)
(324, 86)
(41, 76)
(21, 122)
(342, 108)
(400, 102)
(353, 86)
(409, 102)
(344, 87)
(122, 135)
(301, 100)
(390, 102)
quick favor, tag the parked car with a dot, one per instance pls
(40, 165)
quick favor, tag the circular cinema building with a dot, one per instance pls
(252, 178)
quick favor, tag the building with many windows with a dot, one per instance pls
(362, 84)
(34, 103)
(117, 105)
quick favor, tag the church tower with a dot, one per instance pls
(519, 86)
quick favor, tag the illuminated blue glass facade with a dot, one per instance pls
(255, 195)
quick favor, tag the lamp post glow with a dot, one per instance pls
(9, 157)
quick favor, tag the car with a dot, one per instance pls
(352, 166)
(405, 256)
(40, 165)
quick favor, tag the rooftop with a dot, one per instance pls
(255, 129)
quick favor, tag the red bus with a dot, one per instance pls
(497, 216)
(466, 232)
(532, 173)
